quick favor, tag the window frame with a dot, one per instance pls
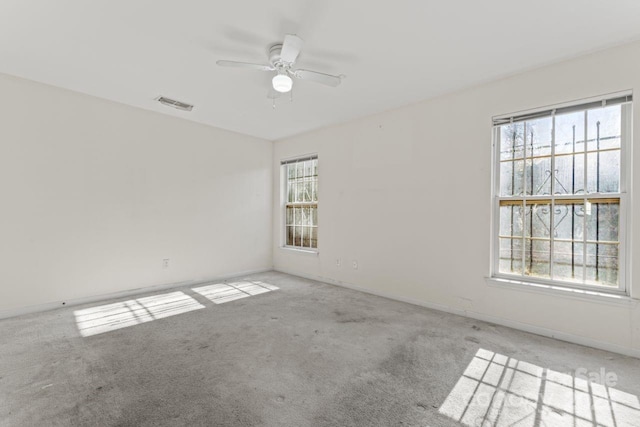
(284, 202)
(624, 191)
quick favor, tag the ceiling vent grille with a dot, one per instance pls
(175, 104)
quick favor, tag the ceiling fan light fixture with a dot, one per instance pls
(282, 83)
(281, 59)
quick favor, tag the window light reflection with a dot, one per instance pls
(496, 390)
(109, 317)
(220, 293)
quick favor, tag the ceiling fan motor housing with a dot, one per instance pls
(274, 55)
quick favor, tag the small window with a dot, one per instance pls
(301, 203)
(559, 195)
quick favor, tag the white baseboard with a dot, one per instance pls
(4, 314)
(559, 335)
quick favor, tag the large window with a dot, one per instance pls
(301, 203)
(559, 194)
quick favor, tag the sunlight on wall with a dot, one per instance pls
(496, 390)
(105, 318)
(225, 292)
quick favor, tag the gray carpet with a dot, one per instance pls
(305, 354)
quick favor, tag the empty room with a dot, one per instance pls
(319, 213)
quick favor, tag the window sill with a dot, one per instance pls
(300, 251)
(562, 291)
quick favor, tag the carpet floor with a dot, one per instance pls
(277, 350)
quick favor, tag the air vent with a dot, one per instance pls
(175, 104)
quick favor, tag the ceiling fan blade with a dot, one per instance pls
(325, 79)
(291, 48)
(236, 64)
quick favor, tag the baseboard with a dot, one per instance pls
(526, 327)
(4, 314)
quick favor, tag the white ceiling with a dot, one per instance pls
(392, 52)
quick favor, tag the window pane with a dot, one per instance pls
(290, 233)
(306, 216)
(602, 223)
(602, 264)
(291, 191)
(537, 245)
(304, 236)
(568, 221)
(511, 178)
(567, 249)
(314, 237)
(300, 191)
(538, 220)
(511, 220)
(510, 253)
(314, 191)
(309, 190)
(512, 141)
(289, 216)
(570, 174)
(302, 185)
(538, 137)
(538, 176)
(569, 133)
(506, 178)
(608, 264)
(567, 261)
(297, 236)
(603, 172)
(605, 123)
(537, 257)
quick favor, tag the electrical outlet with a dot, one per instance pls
(165, 263)
(355, 265)
(338, 262)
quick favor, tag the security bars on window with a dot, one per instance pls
(559, 193)
(301, 208)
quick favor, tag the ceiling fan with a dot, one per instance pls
(282, 58)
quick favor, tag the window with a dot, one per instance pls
(559, 194)
(301, 206)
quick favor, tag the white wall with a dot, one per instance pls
(383, 202)
(95, 194)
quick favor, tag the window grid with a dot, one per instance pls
(301, 208)
(556, 201)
